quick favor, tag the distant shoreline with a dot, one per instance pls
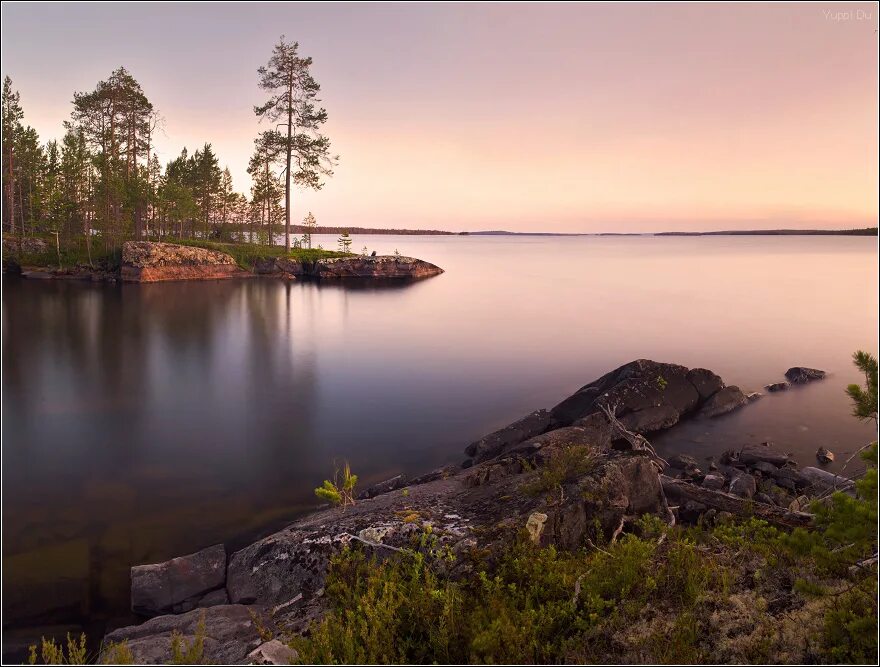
(867, 231)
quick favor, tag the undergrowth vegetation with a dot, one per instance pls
(74, 252)
(739, 591)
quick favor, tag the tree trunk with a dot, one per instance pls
(287, 171)
(11, 188)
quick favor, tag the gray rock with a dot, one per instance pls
(273, 652)
(764, 498)
(705, 382)
(802, 374)
(214, 598)
(726, 400)
(495, 443)
(597, 430)
(764, 468)
(230, 634)
(176, 585)
(392, 484)
(638, 385)
(753, 396)
(743, 485)
(682, 461)
(715, 482)
(778, 386)
(751, 454)
(651, 419)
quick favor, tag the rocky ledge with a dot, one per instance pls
(275, 586)
(382, 267)
(150, 262)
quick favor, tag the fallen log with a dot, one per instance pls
(681, 490)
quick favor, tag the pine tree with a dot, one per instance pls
(344, 242)
(294, 96)
(309, 223)
(865, 399)
(12, 117)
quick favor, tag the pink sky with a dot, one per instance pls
(580, 118)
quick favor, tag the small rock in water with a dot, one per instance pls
(777, 386)
(824, 455)
(753, 396)
(802, 374)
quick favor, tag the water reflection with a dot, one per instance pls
(141, 422)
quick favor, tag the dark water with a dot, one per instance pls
(141, 422)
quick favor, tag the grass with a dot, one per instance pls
(247, 254)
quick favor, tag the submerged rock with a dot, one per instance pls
(179, 584)
(802, 374)
(778, 386)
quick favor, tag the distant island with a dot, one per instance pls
(301, 229)
(867, 231)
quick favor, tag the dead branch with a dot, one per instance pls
(735, 505)
(637, 441)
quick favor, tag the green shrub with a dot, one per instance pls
(339, 491)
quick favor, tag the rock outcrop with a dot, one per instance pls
(607, 480)
(149, 262)
(385, 267)
(646, 396)
(26, 245)
(180, 584)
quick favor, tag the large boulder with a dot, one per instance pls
(230, 634)
(802, 374)
(665, 391)
(148, 262)
(179, 584)
(383, 266)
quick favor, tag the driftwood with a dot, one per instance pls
(637, 441)
(778, 516)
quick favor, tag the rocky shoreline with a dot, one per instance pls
(150, 262)
(249, 600)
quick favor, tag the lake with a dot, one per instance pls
(142, 422)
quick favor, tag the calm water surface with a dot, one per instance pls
(141, 422)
